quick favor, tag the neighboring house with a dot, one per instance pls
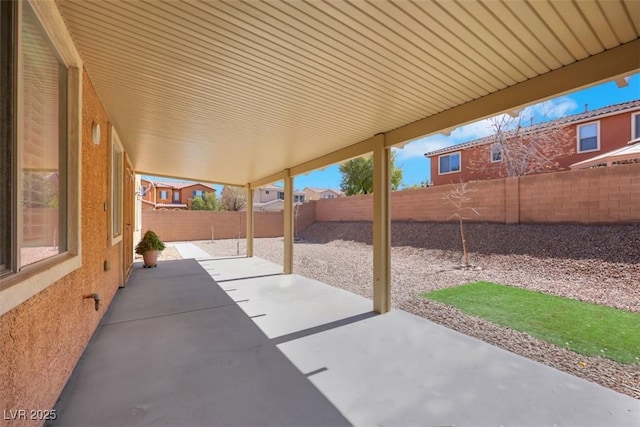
(322, 193)
(271, 198)
(160, 195)
(589, 134)
(620, 156)
(270, 206)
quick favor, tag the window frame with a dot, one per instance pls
(160, 195)
(18, 286)
(459, 154)
(578, 139)
(116, 186)
(8, 60)
(635, 130)
(493, 152)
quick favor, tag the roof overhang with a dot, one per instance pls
(251, 92)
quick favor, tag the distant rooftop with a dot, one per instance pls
(321, 190)
(177, 185)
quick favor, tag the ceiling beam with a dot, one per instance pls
(355, 150)
(620, 61)
(279, 176)
(186, 178)
(606, 66)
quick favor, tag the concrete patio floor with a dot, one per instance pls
(221, 342)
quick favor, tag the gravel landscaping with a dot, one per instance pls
(594, 264)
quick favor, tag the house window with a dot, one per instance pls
(164, 194)
(40, 81)
(635, 126)
(176, 196)
(281, 195)
(298, 198)
(589, 137)
(198, 193)
(449, 163)
(328, 196)
(117, 166)
(496, 153)
(36, 167)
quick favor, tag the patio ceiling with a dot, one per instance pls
(235, 91)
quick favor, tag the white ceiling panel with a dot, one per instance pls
(235, 91)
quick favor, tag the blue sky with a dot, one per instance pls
(416, 168)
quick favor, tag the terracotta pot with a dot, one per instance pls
(150, 258)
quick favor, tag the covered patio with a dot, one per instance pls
(251, 93)
(234, 342)
(247, 93)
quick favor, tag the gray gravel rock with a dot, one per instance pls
(598, 264)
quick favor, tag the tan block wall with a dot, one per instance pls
(591, 196)
(43, 338)
(423, 204)
(588, 196)
(306, 216)
(196, 225)
(354, 208)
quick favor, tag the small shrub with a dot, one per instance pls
(150, 242)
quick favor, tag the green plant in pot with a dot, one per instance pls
(149, 247)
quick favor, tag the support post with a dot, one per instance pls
(381, 227)
(288, 222)
(249, 205)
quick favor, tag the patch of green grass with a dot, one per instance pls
(587, 329)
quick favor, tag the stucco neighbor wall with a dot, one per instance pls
(43, 338)
(615, 132)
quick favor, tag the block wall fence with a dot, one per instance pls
(174, 226)
(608, 195)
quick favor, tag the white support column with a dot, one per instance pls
(381, 227)
(288, 222)
(249, 205)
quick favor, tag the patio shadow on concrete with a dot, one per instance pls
(175, 349)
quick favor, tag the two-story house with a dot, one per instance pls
(271, 198)
(322, 193)
(160, 195)
(586, 135)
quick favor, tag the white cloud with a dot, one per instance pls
(547, 110)
(551, 109)
(420, 146)
(473, 131)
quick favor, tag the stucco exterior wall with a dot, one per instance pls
(43, 338)
(615, 132)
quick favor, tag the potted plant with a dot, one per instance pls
(149, 247)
